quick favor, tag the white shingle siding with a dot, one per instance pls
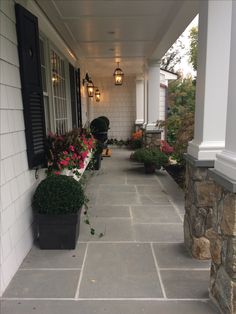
(17, 182)
(118, 104)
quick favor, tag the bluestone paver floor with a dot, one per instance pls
(139, 266)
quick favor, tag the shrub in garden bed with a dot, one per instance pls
(152, 158)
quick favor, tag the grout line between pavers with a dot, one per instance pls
(136, 242)
(158, 272)
(27, 269)
(105, 299)
(185, 269)
(170, 199)
(81, 273)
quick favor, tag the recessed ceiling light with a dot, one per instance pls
(111, 32)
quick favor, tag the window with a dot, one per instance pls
(44, 72)
(59, 92)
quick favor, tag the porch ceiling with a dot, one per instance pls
(130, 31)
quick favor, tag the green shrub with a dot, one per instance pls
(150, 156)
(98, 125)
(58, 195)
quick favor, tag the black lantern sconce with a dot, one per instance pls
(90, 86)
(118, 75)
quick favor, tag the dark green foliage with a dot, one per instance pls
(150, 156)
(58, 195)
(106, 120)
(98, 125)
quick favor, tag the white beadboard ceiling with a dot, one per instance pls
(129, 31)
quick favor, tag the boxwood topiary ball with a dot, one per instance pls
(58, 195)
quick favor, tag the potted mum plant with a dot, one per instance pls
(57, 203)
(152, 158)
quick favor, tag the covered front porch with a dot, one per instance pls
(141, 258)
(140, 265)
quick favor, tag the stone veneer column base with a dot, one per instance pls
(199, 206)
(223, 268)
(152, 138)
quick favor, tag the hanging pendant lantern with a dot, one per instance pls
(118, 75)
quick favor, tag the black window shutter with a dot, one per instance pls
(78, 94)
(75, 96)
(31, 84)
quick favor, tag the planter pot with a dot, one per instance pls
(97, 159)
(101, 136)
(58, 232)
(149, 168)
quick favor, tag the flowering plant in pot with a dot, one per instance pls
(57, 202)
(69, 151)
(152, 158)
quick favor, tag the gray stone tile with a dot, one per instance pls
(150, 189)
(142, 180)
(43, 284)
(119, 271)
(154, 199)
(55, 258)
(176, 256)
(154, 214)
(105, 211)
(114, 198)
(117, 229)
(186, 284)
(159, 233)
(107, 307)
(117, 188)
(109, 177)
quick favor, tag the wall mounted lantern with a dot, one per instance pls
(97, 95)
(118, 75)
(90, 86)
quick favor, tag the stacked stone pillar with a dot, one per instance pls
(223, 270)
(210, 124)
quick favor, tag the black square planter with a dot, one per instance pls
(58, 232)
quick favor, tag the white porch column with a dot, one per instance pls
(153, 94)
(226, 160)
(139, 100)
(212, 79)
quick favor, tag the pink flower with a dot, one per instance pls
(84, 154)
(65, 152)
(57, 173)
(72, 148)
(81, 164)
(64, 163)
(74, 156)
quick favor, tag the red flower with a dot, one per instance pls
(72, 148)
(81, 164)
(74, 156)
(64, 163)
(84, 154)
(65, 152)
(57, 173)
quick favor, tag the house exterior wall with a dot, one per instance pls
(17, 182)
(118, 104)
